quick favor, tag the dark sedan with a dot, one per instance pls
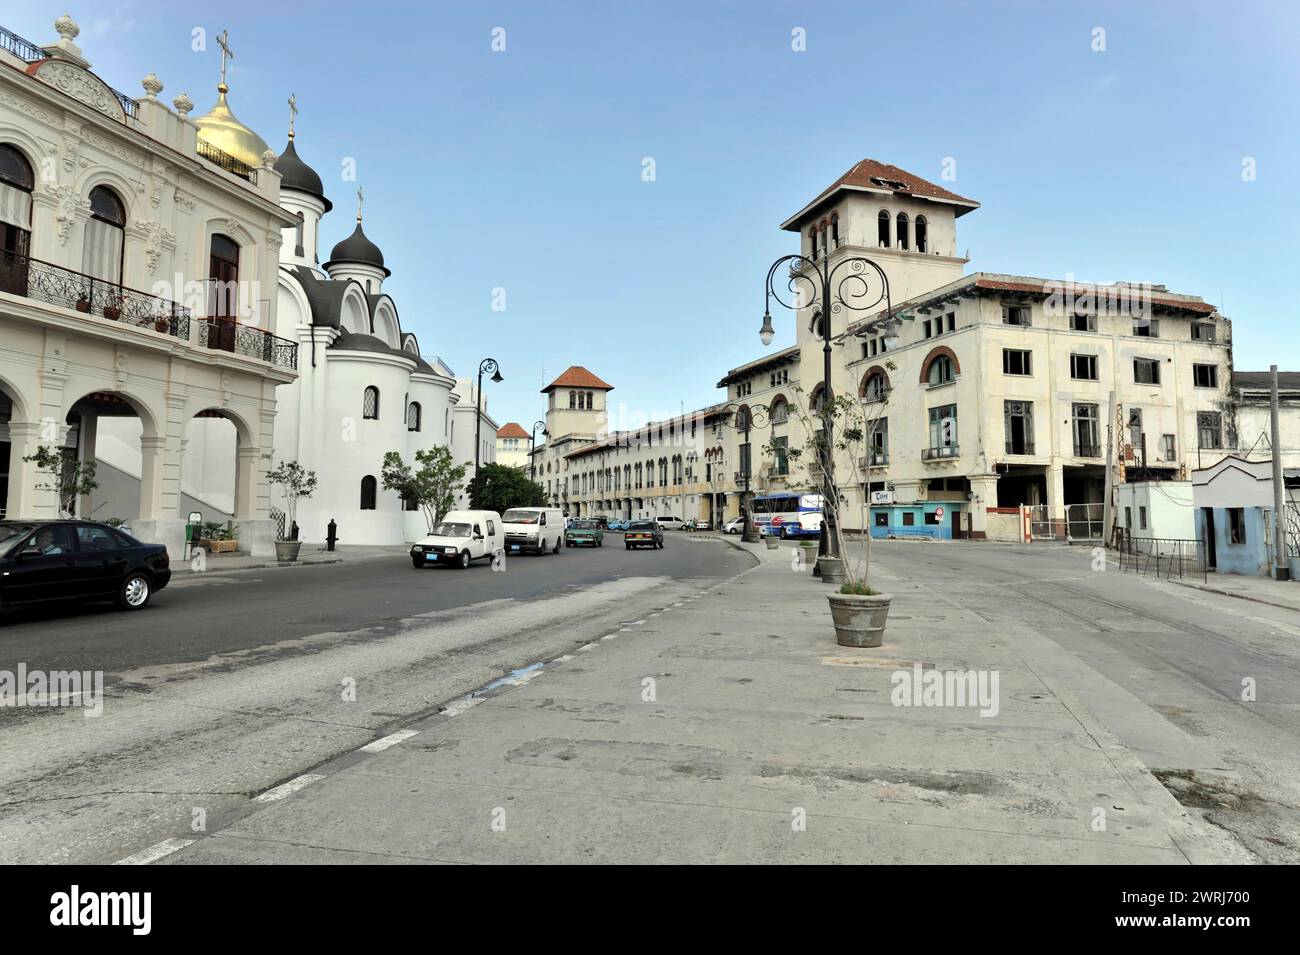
(644, 534)
(78, 560)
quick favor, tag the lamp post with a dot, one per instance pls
(741, 417)
(486, 365)
(532, 440)
(861, 287)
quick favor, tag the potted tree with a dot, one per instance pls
(66, 476)
(295, 482)
(858, 612)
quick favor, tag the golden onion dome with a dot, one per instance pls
(218, 127)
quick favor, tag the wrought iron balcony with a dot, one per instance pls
(1087, 451)
(227, 162)
(45, 282)
(223, 334)
(935, 454)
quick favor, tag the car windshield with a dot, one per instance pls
(451, 530)
(583, 525)
(521, 517)
(641, 526)
(12, 531)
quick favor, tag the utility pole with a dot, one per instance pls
(1280, 568)
(1108, 508)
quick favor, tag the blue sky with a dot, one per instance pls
(521, 169)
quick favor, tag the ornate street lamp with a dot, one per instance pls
(486, 365)
(742, 418)
(856, 283)
(532, 440)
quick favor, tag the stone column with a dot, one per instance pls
(86, 454)
(984, 494)
(27, 498)
(1056, 498)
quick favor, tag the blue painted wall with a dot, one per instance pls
(1250, 558)
(919, 528)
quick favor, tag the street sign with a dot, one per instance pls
(882, 497)
(938, 513)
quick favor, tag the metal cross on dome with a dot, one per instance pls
(361, 199)
(227, 53)
(293, 112)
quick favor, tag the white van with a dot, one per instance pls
(670, 522)
(533, 529)
(459, 538)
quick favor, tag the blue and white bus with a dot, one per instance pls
(788, 514)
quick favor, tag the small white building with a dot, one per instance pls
(1162, 509)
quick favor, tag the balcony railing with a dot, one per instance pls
(1087, 451)
(29, 52)
(935, 454)
(227, 162)
(45, 282)
(224, 334)
(876, 459)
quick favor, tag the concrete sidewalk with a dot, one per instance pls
(730, 727)
(310, 555)
(1264, 590)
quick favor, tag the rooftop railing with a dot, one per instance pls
(223, 160)
(29, 52)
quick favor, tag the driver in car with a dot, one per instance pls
(45, 543)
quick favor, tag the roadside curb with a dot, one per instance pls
(1227, 593)
(273, 564)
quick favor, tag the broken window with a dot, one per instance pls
(1209, 429)
(1205, 376)
(1083, 367)
(1080, 322)
(1146, 371)
(882, 229)
(1202, 331)
(1015, 315)
(1236, 525)
(1146, 328)
(902, 230)
(1169, 447)
(1019, 421)
(922, 237)
(1085, 425)
(1016, 362)
(941, 370)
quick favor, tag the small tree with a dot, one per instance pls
(296, 482)
(68, 477)
(500, 488)
(432, 487)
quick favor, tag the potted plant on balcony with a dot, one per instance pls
(83, 303)
(296, 483)
(858, 612)
(113, 308)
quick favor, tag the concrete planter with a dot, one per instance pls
(771, 542)
(223, 547)
(287, 550)
(832, 570)
(1293, 564)
(859, 620)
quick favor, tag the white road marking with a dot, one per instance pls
(460, 706)
(609, 636)
(585, 646)
(154, 853)
(521, 680)
(379, 745)
(637, 623)
(289, 788)
(564, 659)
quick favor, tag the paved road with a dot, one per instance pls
(232, 684)
(1184, 657)
(198, 615)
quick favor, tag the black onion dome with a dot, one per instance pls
(296, 174)
(358, 250)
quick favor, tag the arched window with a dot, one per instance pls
(902, 230)
(16, 181)
(818, 399)
(875, 385)
(369, 489)
(812, 237)
(922, 237)
(413, 416)
(573, 399)
(815, 326)
(223, 276)
(102, 251)
(370, 403)
(835, 232)
(882, 229)
(589, 404)
(941, 370)
(780, 411)
(297, 236)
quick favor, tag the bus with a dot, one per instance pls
(788, 514)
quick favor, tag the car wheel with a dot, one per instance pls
(464, 560)
(628, 546)
(135, 592)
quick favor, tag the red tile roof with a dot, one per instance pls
(881, 177)
(575, 376)
(511, 430)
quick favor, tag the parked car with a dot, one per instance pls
(699, 524)
(671, 522)
(617, 524)
(78, 560)
(602, 520)
(535, 529)
(734, 526)
(644, 534)
(584, 531)
(460, 538)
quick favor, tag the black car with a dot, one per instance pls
(644, 534)
(78, 560)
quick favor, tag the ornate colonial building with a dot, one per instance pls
(138, 248)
